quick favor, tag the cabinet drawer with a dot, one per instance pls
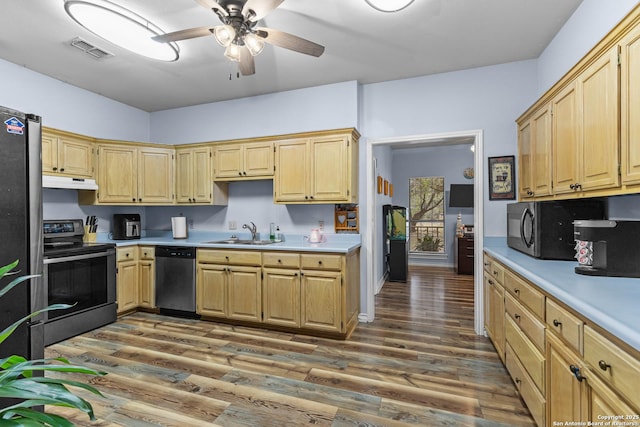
(127, 254)
(280, 259)
(565, 325)
(208, 256)
(532, 360)
(533, 398)
(321, 261)
(147, 252)
(497, 271)
(622, 371)
(525, 293)
(528, 323)
(486, 262)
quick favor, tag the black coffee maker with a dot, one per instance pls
(607, 247)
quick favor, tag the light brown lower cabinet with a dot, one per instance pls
(566, 369)
(127, 278)
(316, 292)
(147, 277)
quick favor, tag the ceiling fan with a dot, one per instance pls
(239, 32)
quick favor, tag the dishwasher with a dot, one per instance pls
(176, 280)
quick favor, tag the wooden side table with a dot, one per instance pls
(464, 254)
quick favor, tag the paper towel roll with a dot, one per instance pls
(179, 227)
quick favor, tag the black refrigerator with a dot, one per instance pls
(21, 230)
(395, 248)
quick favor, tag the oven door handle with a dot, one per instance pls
(78, 257)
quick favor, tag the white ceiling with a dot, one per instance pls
(430, 36)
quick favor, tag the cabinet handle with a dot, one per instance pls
(279, 261)
(133, 200)
(517, 291)
(306, 197)
(490, 282)
(55, 169)
(576, 371)
(603, 365)
(557, 323)
(244, 173)
(578, 186)
(61, 169)
(495, 272)
(517, 316)
(127, 254)
(320, 262)
(517, 380)
(311, 197)
(140, 199)
(240, 173)
(572, 186)
(486, 264)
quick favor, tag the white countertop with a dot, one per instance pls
(610, 302)
(337, 243)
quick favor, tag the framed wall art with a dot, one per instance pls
(386, 187)
(502, 179)
(379, 184)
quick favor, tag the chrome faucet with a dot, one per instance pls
(253, 229)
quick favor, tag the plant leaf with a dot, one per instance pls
(69, 383)
(39, 418)
(9, 329)
(58, 395)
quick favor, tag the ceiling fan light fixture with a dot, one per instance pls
(224, 34)
(254, 43)
(233, 52)
(389, 5)
(121, 27)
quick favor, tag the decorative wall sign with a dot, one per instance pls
(502, 178)
(386, 187)
(390, 190)
(379, 184)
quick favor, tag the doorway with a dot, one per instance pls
(474, 137)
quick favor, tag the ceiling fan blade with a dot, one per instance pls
(212, 5)
(260, 8)
(289, 41)
(184, 34)
(247, 64)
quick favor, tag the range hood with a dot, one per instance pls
(49, 181)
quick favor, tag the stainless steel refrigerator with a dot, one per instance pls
(21, 230)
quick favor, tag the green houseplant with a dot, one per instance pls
(18, 378)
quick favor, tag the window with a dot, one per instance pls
(426, 213)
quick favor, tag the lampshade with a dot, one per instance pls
(224, 34)
(254, 43)
(121, 27)
(389, 5)
(233, 52)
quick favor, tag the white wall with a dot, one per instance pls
(383, 159)
(591, 21)
(488, 98)
(317, 108)
(67, 107)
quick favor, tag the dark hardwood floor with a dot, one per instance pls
(420, 363)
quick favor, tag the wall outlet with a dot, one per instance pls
(233, 225)
(190, 224)
(321, 225)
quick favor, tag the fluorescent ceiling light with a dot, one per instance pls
(122, 27)
(389, 5)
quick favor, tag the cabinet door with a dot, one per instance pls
(291, 178)
(49, 154)
(281, 297)
(228, 161)
(525, 161)
(155, 175)
(245, 293)
(565, 135)
(599, 148)
(127, 285)
(146, 283)
(604, 402)
(258, 159)
(541, 152)
(117, 174)
(321, 300)
(494, 313)
(329, 169)
(211, 287)
(184, 176)
(202, 182)
(566, 395)
(75, 157)
(630, 106)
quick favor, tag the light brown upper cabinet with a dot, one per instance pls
(320, 169)
(585, 129)
(130, 174)
(630, 106)
(193, 175)
(67, 154)
(243, 161)
(534, 148)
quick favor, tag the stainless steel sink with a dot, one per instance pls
(242, 242)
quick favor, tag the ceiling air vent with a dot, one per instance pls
(92, 50)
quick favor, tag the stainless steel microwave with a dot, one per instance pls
(545, 229)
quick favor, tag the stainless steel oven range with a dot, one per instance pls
(78, 273)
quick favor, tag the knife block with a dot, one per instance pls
(88, 236)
